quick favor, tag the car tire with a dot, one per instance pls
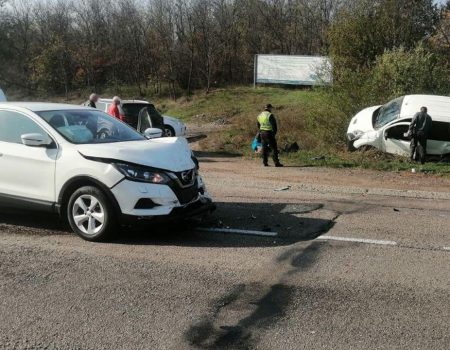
(350, 146)
(91, 214)
(169, 131)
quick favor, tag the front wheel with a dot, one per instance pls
(90, 214)
(170, 132)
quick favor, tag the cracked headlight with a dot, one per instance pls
(142, 174)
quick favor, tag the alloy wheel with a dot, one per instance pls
(88, 214)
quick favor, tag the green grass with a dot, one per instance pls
(237, 101)
(363, 160)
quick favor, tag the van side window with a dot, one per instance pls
(13, 125)
(397, 132)
(440, 131)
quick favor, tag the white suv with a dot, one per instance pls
(93, 169)
(132, 108)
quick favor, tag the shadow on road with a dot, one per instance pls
(18, 221)
(291, 222)
(224, 154)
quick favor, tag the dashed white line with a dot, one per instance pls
(239, 232)
(356, 240)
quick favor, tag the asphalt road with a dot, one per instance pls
(377, 277)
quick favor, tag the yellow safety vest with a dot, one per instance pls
(264, 121)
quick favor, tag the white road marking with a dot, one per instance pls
(447, 248)
(239, 232)
(356, 240)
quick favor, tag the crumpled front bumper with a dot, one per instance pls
(196, 209)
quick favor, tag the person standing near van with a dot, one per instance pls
(93, 99)
(268, 129)
(114, 109)
(420, 129)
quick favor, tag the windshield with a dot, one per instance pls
(89, 126)
(389, 112)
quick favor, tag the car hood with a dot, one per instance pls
(362, 121)
(169, 153)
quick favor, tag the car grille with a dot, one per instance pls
(187, 177)
(187, 194)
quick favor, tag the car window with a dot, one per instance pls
(398, 132)
(133, 109)
(131, 112)
(101, 106)
(13, 125)
(89, 126)
(389, 112)
(149, 117)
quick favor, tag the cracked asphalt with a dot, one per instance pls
(177, 288)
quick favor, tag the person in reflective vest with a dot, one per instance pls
(267, 126)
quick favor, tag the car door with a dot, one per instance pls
(26, 172)
(395, 141)
(149, 117)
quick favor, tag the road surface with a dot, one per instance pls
(359, 260)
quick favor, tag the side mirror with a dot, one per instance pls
(153, 133)
(36, 140)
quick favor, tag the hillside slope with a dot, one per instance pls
(305, 116)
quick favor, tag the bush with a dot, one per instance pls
(402, 72)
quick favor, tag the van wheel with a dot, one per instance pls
(90, 214)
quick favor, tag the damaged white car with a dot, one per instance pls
(94, 170)
(385, 127)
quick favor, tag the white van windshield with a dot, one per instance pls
(389, 112)
(89, 126)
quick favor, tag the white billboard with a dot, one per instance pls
(293, 70)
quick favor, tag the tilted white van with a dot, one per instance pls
(94, 169)
(384, 127)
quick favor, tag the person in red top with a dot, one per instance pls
(114, 109)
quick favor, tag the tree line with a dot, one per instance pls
(57, 46)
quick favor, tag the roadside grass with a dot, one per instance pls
(306, 116)
(365, 160)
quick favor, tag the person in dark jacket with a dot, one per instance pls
(420, 129)
(93, 99)
(267, 125)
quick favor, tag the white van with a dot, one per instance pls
(2, 96)
(384, 127)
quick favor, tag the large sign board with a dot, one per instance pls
(293, 70)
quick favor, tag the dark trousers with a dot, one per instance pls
(269, 142)
(418, 147)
